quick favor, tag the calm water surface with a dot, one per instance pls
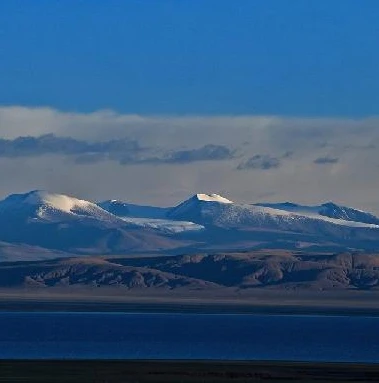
(188, 336)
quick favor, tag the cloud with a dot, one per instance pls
(34, 146)
(326, 160)
(288, 154)
(90, 158)
(170, 132)
(259, 161)
(124, 151)
(163, 159)
(205, 153)
(51, 144)
(208, 152)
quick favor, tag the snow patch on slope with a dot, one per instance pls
(123, 209)
(149, 217)
(164, 225)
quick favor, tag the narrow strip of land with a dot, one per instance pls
(183, 371)
(364, 303)
(177, 307)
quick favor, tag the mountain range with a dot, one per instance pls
(40, 225)
(218, 275)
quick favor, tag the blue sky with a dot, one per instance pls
(212, 57)
(161, 99)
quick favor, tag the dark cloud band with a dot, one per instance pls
(51, 144)
(124, 151)
(326, 160)
(260, 161)
(205, 153)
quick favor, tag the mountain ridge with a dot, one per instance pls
(202, 222)
(218, 273)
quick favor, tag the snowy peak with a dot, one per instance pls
(59, 221)
(45, 206)
(56, 201)
(194, 208)
(211, 198)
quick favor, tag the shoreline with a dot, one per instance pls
(62, 306)
(184, 371)
(260, 302)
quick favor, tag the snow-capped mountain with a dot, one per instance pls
(61, 222)
(42, 206)
(328, 209)
(204, 221)
(200, 208)
(216, 210)
(148, 217)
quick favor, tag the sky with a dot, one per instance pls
(152, 101)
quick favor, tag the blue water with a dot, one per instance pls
(188, 336)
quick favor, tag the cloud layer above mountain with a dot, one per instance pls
(260, 161)
(162, 159)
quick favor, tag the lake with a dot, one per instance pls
(188, 336)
